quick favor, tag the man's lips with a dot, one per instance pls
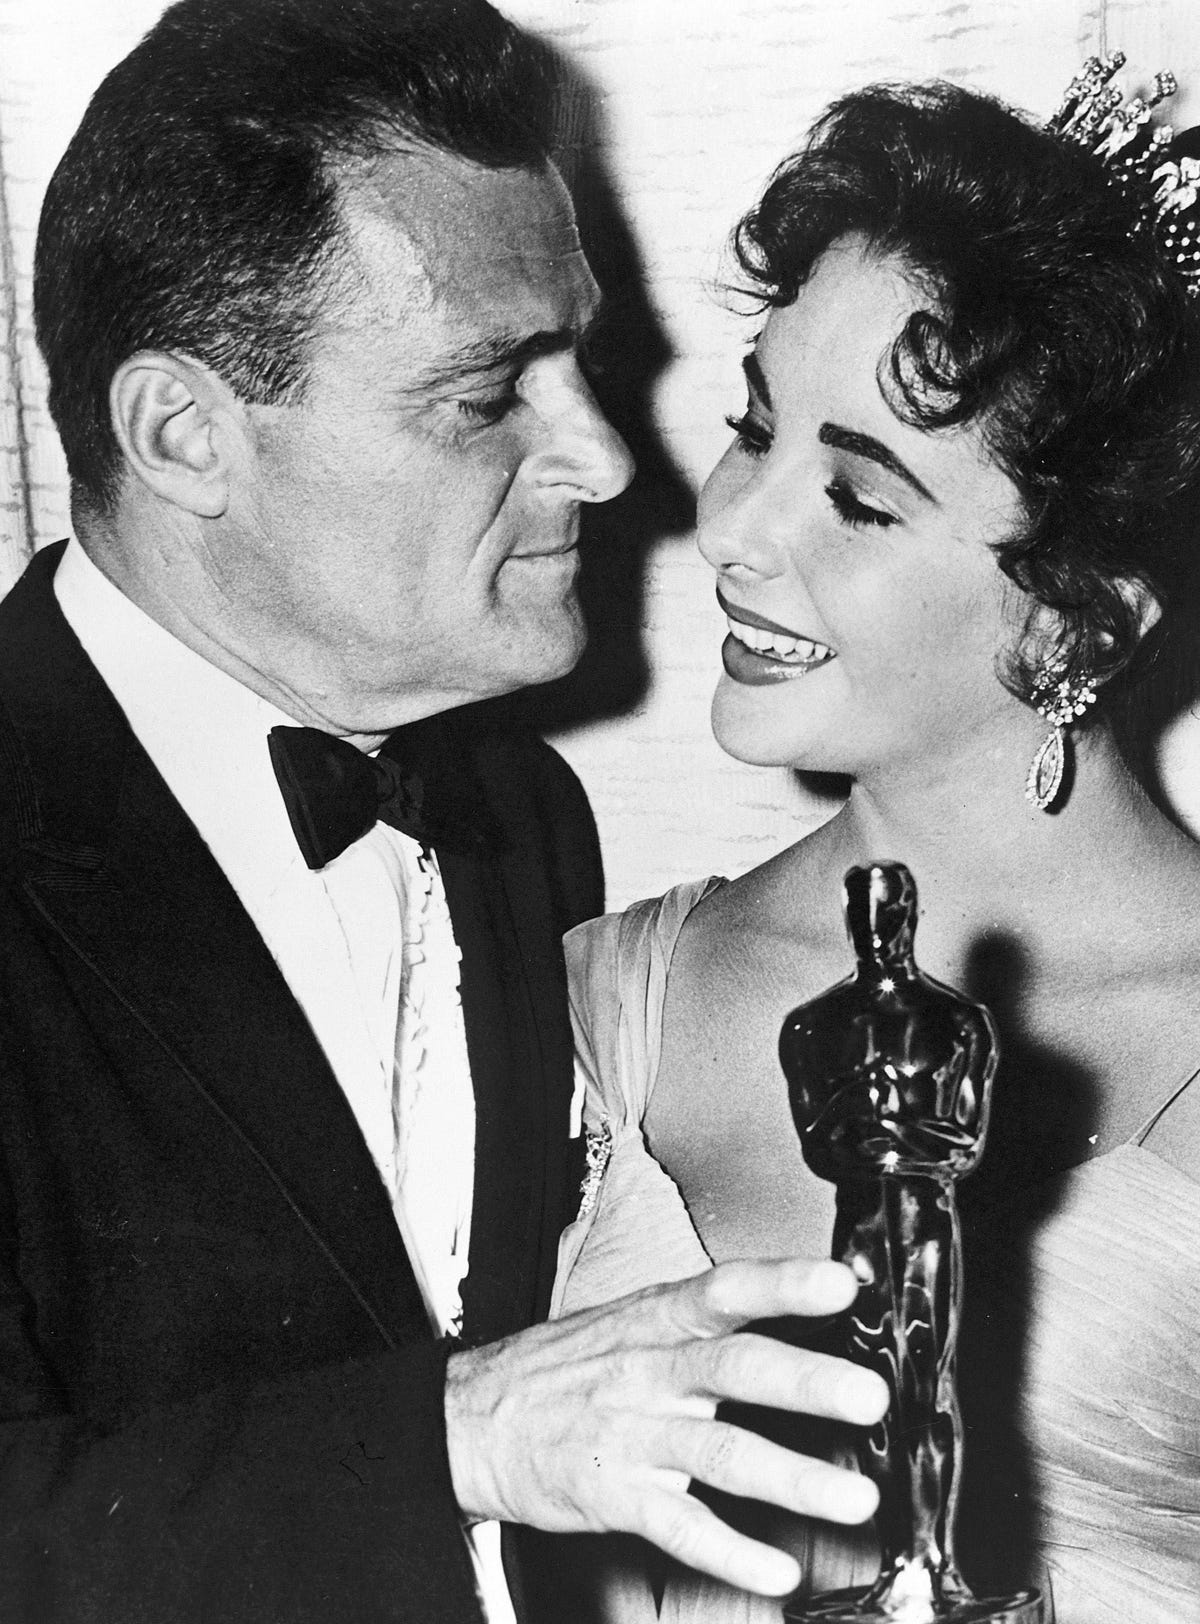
(555, 536)
(563, 550)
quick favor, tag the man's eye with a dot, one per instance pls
(752, 438)
(852, 511)
(491, 409)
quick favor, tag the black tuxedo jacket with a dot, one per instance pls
(219, 1396)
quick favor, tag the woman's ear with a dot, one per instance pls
(173, 418)
(1041, 636)
(1142, 600)
(1043, 629)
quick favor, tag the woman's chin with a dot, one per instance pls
(746, 730)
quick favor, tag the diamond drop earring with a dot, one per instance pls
(1060, 703)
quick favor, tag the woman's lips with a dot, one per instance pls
(760, 651)
(744, 665)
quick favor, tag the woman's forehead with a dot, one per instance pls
(825, 363)
(832, 346)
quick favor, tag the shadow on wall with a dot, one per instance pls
(629, 353)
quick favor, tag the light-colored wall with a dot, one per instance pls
(695, 100)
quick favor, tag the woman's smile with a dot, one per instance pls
(900, 624)
(759, 650)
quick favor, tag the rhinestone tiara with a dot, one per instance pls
(1159, 171)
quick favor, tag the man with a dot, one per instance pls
(276, 1208)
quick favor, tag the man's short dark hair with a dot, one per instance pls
(195, 209)
(1056, 324)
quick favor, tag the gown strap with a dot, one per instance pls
(617, 974)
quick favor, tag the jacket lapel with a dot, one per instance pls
(118, 872)
(499, 1291)
(518, 1039)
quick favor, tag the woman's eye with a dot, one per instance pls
(492, 409)
(752, 437)
(592, 355)
(852, 511)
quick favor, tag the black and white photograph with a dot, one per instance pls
(599, 812)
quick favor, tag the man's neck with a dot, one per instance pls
(165, 579)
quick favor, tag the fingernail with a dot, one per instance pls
(780, 1574)
(833, 1281)
(864, 1394)
(860, 1500)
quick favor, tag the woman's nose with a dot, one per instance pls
(733, 525)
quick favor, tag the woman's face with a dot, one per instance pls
(853, 551)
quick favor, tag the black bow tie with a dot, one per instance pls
(334, 793)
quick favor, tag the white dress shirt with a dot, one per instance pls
(365, 944)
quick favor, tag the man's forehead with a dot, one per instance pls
(428, 232)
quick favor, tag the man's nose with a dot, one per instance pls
(595, 458)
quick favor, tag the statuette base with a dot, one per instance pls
(861, 1606)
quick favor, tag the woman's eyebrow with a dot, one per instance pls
(756, 378)
(865, 445)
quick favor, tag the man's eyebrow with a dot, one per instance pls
(501, 351)
(865, 445)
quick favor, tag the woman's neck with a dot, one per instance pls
(987, 863)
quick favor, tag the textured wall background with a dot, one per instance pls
(680, 109)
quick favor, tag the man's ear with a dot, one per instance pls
(174, 419)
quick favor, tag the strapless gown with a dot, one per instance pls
(1108, 1406)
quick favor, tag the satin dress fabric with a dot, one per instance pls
(1108, 1410)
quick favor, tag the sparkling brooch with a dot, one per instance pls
(599, 1144)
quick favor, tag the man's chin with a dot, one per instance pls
(538, 639)
(555, 659)
(523, 649)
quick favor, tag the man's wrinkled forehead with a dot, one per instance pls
(425, 229)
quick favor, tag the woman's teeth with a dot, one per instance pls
(778, 646)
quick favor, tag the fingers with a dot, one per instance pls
(729, 1458)
(733, 1294)
(690, 1532)
(760, 1370)
(754, 1369)
(599, 1420)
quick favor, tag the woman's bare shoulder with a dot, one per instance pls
(770, 933)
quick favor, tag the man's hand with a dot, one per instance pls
(599, 1421)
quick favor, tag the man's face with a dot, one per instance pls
(403, 539)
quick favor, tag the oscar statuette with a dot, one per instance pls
(889, 1074)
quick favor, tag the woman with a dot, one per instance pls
(962, 494)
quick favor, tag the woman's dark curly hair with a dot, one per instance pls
(1058, 327)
